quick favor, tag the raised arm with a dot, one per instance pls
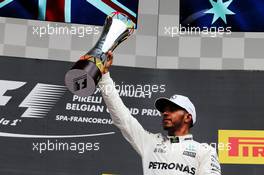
(120, 114)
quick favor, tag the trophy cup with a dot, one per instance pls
(86, 73)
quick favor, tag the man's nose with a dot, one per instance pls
(165, 113)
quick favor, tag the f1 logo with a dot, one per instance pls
(6, 86)
(38, 102)
(80, 83)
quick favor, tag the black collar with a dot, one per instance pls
(178, 139)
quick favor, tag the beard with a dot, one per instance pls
(170, 126)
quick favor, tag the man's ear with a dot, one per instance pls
(188, 118)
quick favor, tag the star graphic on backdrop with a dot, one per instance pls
(220, 10)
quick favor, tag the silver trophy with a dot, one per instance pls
(86, 73)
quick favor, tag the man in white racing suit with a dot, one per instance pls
(175, 154)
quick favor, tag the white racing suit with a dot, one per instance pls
(160, 155)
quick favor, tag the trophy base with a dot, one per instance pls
(82, 79)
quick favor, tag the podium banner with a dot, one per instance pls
(44, 129)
